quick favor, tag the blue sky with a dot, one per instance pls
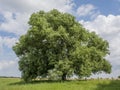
(104, 6)
(101, 16)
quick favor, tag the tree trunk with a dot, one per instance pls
(64, 76)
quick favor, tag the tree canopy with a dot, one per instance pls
(57, 46)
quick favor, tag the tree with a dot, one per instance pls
(57, 45)
(118, 77)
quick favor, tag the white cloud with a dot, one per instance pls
(6, 64)
(6, 41)
(22, 9)
(32, 5)
(17, 26)
(104, 24)
(87, 9)
(108, 27)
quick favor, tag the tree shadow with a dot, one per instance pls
(38, 82)
(109, 85)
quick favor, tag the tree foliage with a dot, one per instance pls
(118, 77)
(56, 45)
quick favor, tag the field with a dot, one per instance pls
(17, 84)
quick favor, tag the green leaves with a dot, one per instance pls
(57, 46)
(61, 67)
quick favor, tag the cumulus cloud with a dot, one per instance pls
(87, 9)
(6, 41)
(17, 12)
(104, 24)
(108, 27)
(6, 64)
(32, 5)
(16, 24)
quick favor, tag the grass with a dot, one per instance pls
(17, 84)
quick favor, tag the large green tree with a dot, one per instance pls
(58, 46)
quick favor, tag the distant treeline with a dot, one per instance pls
(9, 77)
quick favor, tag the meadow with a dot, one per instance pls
(18, 84)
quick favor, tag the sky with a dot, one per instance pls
(100, 16)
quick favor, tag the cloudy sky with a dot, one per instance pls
(101, 16)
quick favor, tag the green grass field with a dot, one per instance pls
(17, 84)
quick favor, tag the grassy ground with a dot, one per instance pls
(17, 84)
